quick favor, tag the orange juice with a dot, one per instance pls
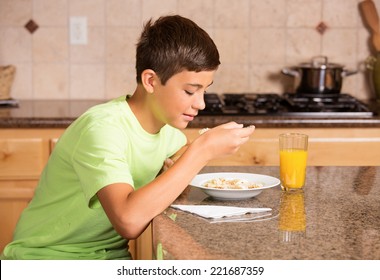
(293, 168)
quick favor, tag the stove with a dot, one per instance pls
(288, 104)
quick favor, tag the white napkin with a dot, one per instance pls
(214, 212)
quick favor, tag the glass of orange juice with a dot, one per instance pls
(293, 157)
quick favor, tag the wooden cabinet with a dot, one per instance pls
(327, 147)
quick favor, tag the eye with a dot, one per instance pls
(189, 93)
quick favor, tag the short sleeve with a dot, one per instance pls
(99, 159)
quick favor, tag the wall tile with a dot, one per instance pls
(267, 45)
(340, 13)
(50, 44)
(87, 81)
(304, 13)
(92, 9)
(231, 78)
(50, 13)
(270, 13)
(232, 44)
(231, 13)
(199, 11)
(301, 45)
(50, 81)
(120, 80)
(15, 12)
(154, 9)
(121, 44)
(123, 12)
(266, 79)
(340, 45)
(94, 51)
(17, 47)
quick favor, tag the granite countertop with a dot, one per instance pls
(61, 113)
(338, 218)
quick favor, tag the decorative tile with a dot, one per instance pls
(31, 26)
(321, 27)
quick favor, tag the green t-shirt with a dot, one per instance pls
(105, 145)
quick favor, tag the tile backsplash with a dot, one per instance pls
(256, 40)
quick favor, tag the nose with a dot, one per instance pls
(199, 102)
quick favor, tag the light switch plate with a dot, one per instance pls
(78, 31)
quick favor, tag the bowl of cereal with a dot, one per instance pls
(233, 186)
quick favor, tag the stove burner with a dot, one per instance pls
(334, 105)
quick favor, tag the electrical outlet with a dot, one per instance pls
(78, 30)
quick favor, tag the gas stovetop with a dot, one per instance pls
(288, 104)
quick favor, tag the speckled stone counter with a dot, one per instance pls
(61, 113)
(336, 217)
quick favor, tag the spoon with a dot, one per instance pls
(371, 18)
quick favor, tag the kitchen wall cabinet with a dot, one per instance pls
(327, 147)
(24, 152)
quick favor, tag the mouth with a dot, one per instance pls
(189, 117)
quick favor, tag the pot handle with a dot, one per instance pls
(318, 61)
(290, 72)
(346, 73)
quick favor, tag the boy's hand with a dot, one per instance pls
(167, 163)
(223, 140)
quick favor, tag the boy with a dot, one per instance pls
(101, 186)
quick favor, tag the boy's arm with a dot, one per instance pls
(131, 211)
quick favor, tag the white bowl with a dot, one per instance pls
(234, 194)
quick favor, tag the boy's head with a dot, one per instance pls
(173, 44)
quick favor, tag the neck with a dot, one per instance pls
(139, 103)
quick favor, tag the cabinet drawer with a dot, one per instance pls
(22, 158)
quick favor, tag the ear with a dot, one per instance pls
(148, 80)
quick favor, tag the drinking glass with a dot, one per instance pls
(293, 157)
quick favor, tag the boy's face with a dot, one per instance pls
(180, 99)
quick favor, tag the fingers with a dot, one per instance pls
(239, 129)
(231, 125)
(236, 128)
(167, 164)
(223, 140)
(247, 131)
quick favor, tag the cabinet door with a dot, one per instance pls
(14, 197)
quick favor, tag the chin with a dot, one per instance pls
(180, 125)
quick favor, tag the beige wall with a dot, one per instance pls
(256, 40)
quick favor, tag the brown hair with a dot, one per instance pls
(172, 44)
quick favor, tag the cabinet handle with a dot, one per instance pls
(256, 161)
(5, 154)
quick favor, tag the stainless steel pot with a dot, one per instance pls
(318, 77)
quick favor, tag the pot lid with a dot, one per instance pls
(320, 62)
